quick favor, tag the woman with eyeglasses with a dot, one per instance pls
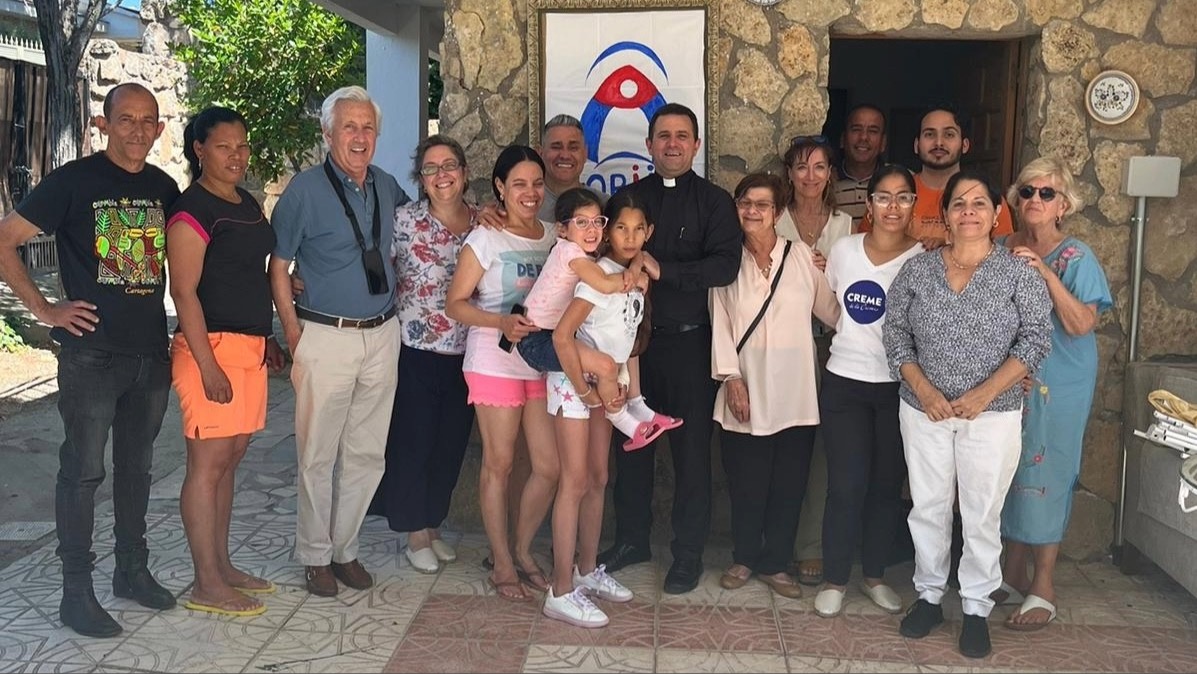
(811, 217)
(1058, 398)
(431, 422)
(763, 353)
(964, 324)
(858, 400)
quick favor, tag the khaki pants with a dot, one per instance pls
(344, 382)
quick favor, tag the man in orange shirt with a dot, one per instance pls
(942, 141)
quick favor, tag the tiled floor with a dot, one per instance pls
(452, 622)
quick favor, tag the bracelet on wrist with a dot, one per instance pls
(587, 392)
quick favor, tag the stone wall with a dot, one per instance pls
(772, 70)
(106, 65)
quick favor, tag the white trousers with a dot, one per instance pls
(344, 382)
(979, 456)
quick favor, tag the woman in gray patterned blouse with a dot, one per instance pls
(964, 325)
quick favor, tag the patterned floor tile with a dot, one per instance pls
(717, 628)
(585, 659)
(384, 611)
(447, 654)
(709, 593)
(632, 626)
(304, 651)
(644, 580)
(18, 666)
(846, 637)
(183, 642)
(669, 660)
(51, 644)
(477, 618)
(812, 663)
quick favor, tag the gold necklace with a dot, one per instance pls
(956, 264)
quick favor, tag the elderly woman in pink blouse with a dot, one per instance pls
(763, 353)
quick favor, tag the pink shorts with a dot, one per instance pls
(494, 391)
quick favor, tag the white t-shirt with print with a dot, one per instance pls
(511, 264)
(860, 288)
(612, 323)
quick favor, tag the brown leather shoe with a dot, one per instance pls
(353, 574)
(321, 581)
(735, 577)
(783, 585)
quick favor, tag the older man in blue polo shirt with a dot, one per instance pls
(335, 221)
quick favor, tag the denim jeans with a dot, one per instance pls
(101, 390)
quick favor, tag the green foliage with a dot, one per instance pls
(273, 61)
(10, 340)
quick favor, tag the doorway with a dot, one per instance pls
(984, 79)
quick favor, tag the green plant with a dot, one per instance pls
(10, 339)
(273, 61)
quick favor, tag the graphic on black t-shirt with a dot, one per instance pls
(130, 241)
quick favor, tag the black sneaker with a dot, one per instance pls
(683, 576)
(974, 637)
(920, 618)
(621, 555)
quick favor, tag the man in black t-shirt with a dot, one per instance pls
(107, 213)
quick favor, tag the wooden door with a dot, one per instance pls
(988, 90)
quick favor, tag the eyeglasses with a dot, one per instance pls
(884, 199)
(819, 139)
(748, 205)
(1045, 193)
(429, 170)
(597, 222)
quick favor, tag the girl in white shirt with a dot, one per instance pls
(609, 324)
(858, 400)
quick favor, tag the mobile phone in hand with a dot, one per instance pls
(505, 343)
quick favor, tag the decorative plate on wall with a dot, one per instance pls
(1112, 97)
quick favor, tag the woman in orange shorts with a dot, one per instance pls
(217, 242)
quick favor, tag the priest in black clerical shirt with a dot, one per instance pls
(697, 242)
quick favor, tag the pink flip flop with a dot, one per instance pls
(666, 423)
(646, 432)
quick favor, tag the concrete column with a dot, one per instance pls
(397, 77)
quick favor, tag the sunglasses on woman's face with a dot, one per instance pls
(1045, 193)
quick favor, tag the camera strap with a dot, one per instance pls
(376, 225)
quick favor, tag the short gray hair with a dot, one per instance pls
(1055, 170)
(349, 93)
(563, 120)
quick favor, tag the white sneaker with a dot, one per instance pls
(602, 585)
(574, 608)
(829, 602)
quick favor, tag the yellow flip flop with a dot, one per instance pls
(269, 589)
(223, 609)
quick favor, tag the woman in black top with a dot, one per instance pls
(217, 243)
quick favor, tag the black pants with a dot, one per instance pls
(675, 376)
(102, 391)
(430, 428)
(865, 471)
(766, 480)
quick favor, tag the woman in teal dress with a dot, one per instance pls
(1038, 504)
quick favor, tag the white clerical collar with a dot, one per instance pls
(669, 182)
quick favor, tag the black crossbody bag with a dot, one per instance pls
(765, 307)
(376, 275)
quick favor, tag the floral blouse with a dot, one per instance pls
(424, 257)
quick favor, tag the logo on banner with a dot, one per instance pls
(865, 302)
(627, 88)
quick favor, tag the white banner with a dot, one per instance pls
(612, 70)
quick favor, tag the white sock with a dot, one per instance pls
(640, 410)
(624, 421)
